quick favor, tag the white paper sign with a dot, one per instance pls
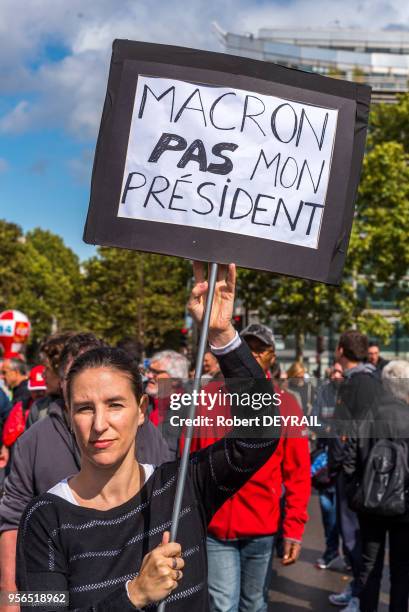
(227, 159)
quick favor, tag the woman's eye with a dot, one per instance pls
(85, 409)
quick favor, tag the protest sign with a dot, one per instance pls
(219, 158)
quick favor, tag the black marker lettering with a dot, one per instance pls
(320, 140)
(268, 164)
(274, 117)
(293, 224)
(224, 193)
(185, 106)
(128, 186)
(213, 106)
(153, 191)
(199, 193)
(315, 206)
(283, 170)
(245, 115)
(227, 166)
(195, 152)
(234, 203)
(257, 208)
(167, 142)
(305, 165)
(158, 98)
(174, 196)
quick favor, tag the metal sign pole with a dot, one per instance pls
(192, 410)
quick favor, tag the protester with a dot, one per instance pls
(63, 544)
(47, 452)
(374, 357)
(15, 372)
(16, 421)
(297, 383)
(376, 466)
(5, 407)
(165, 374)
(358, 394)
(324, 408)
(211, 368)
(50, 355)
(241, 534)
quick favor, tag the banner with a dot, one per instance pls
(226, 159)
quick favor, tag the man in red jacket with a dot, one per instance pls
(241, 534)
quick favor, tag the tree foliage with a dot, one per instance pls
(389, 122)
(41, 277)
(140, 295)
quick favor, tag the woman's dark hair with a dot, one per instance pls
(107, 357)
(53, 347)
(75, 346)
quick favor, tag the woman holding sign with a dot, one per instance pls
(102, 535)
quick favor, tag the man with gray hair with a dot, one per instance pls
(15, 373)
(167, 374)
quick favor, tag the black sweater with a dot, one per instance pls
(93, 553)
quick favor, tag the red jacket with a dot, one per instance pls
(255, 509)
(15, 424)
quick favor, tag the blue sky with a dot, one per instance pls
(53, 69)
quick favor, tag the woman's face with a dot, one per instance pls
(52, 380)
(105, 415)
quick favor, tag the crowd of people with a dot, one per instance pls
(89, 469)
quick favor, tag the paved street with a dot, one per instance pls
(301, 586)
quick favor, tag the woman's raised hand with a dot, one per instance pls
(221, 330)
(159, 575)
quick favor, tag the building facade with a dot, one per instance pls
(380, 59)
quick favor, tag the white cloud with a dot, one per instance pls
(4, 165)
(69, 93)
(17, 120)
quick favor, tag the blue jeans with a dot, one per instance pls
(240, 574)
(328, 505)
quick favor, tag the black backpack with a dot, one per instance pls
(384, 487)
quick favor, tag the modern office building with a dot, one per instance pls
(380, 59)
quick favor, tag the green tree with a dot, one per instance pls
(40, 277)
(381, 247)
(140, 295)
(12, 259)
(389, 122)
(51, 274)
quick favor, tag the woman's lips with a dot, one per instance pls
(102, 443)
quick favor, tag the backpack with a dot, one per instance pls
(385, 483)
(320, 478)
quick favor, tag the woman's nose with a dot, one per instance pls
(100, 420)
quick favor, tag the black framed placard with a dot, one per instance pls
(226, 159)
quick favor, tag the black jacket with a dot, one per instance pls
(358, 395)
(21, 392)
(46, 453)
(389, 420)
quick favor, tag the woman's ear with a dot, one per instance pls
(143, 405)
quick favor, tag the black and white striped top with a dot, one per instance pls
(93, 553)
